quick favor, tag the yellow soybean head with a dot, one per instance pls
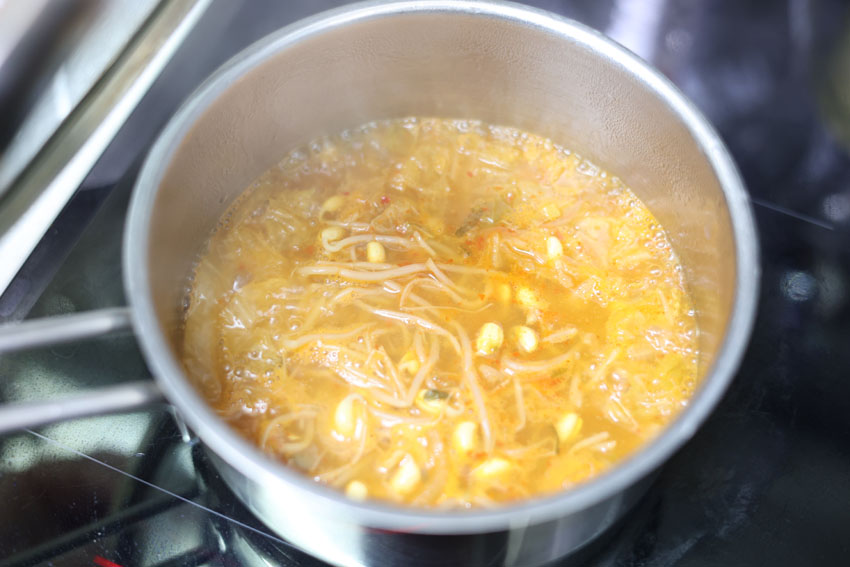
(332, 233)
(525, 338)
(406, 477)
(465, 437)
(491, 469)
(568, 426)
(526, 297)
(347, 418)
(375, 252)
(356, 490)
(332, 204)
(554, 248)
(409, 363)
(490, 338)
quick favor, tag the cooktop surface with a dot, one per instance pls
(766, 481)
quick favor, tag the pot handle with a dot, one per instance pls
(112, 399)
(63, 329)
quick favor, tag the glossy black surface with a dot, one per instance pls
(765, 482)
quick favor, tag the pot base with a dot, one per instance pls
(340, 541)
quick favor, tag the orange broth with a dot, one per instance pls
(443, 314)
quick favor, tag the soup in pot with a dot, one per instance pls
(443, 314)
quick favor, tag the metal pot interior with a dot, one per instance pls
(499, 64)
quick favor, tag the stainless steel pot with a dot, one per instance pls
(500, 63)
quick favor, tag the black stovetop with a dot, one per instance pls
(766, 481)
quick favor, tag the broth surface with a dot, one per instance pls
(441, 313)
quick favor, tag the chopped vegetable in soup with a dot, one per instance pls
(443, 314)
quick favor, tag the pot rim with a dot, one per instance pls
(255, 465)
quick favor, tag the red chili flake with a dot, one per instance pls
(310, 250)
(385, 200)
(103, 562)
(515, 353)
(346, 193)
(469, 173)
(480, 296)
